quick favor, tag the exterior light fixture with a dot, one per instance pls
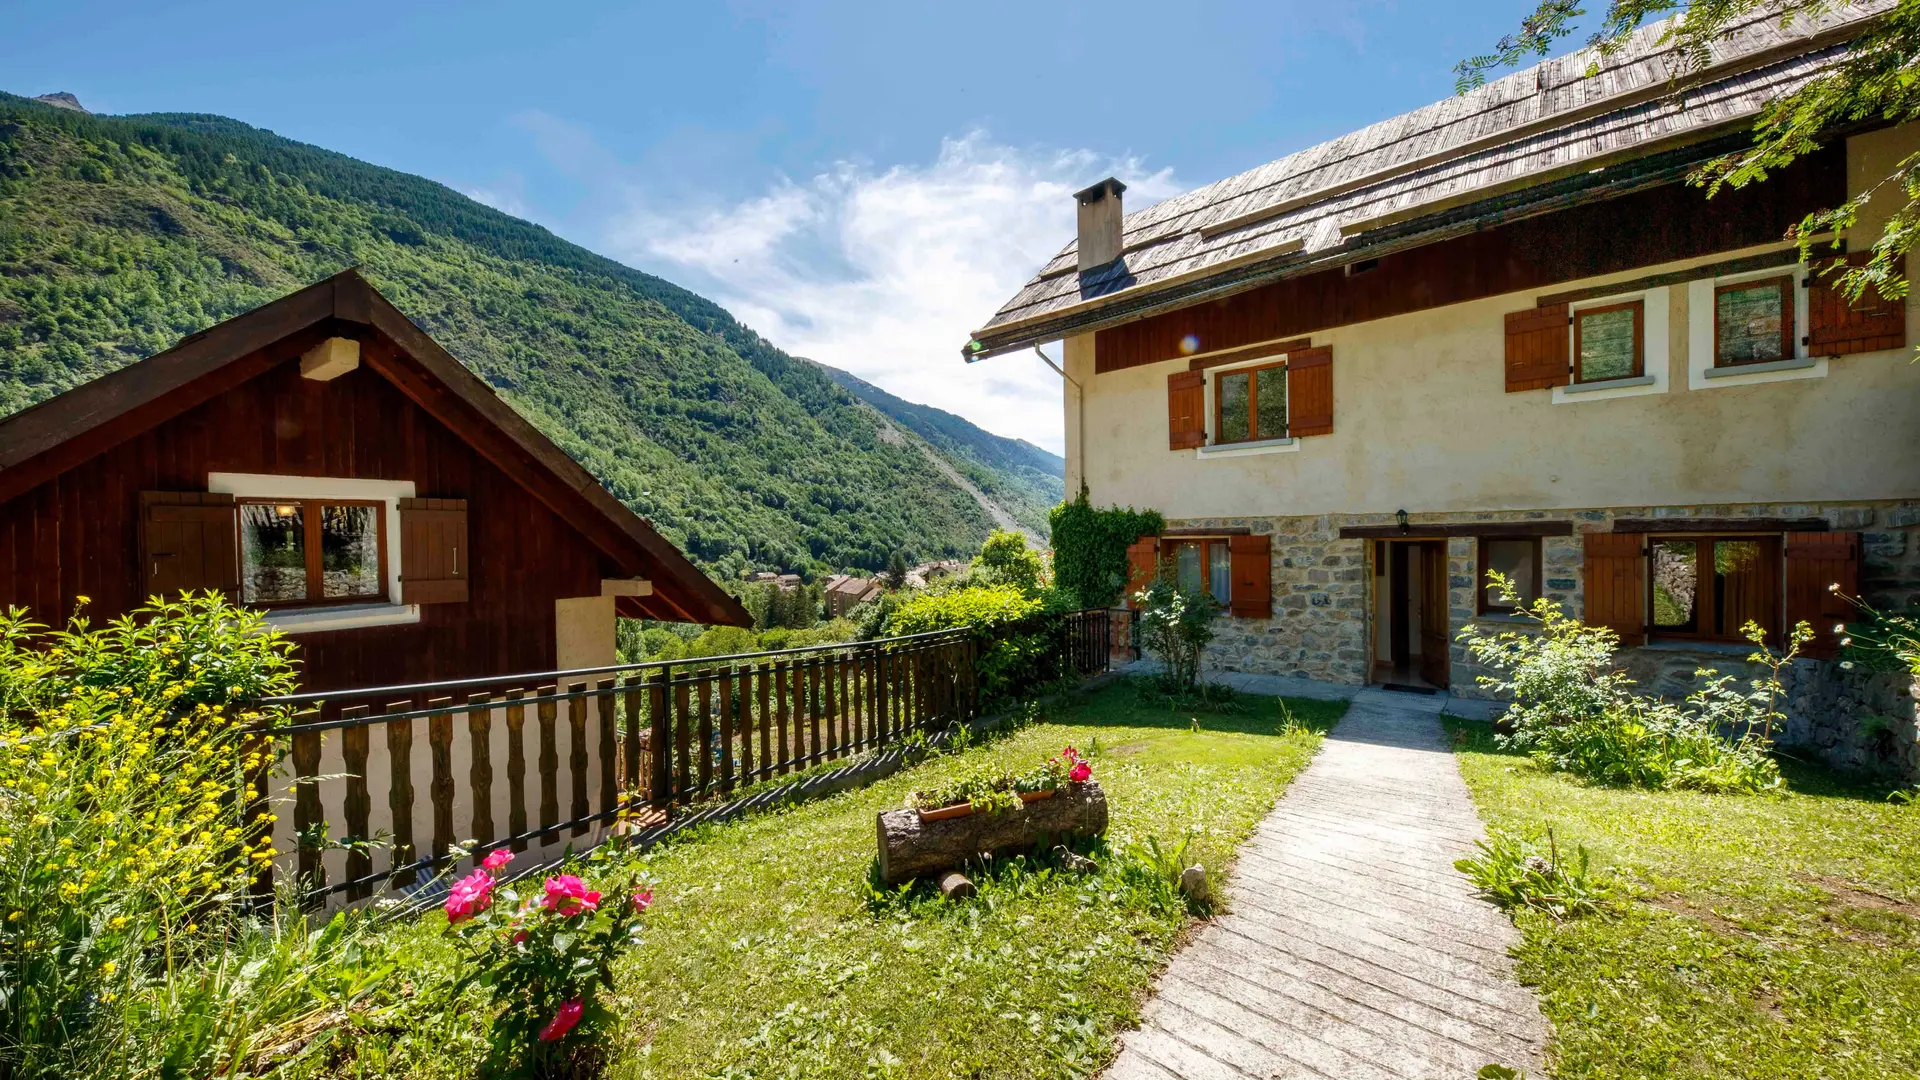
(1401, 517)
(283, 510)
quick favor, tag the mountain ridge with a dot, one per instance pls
(119, 235)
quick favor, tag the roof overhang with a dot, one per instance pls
(39, 443)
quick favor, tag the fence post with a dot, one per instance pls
(400, 793)
(355, 748)
(660, 784)
(480, 771)
(609, 747)
(517, 768)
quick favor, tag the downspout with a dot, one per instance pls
(1079, 409)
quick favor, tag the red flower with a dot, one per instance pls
(497, 860)
(1080, 772)
(1070, 754)
(562, 1021)
(568, 895)
(643, 900)
(469, 896)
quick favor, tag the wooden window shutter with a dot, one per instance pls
(434, 556)
(1310, 392)
(1539, 348)
(1616, 584)
(1250, 560)
(1815, 562)
(189, 540)
(1143, 565)
(1186, 410)
(1837, 328)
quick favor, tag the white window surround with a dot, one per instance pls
(1701, 372)
(339, 617)
(1654, 351)
(1242, 449)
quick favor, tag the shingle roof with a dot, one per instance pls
(1546, 122)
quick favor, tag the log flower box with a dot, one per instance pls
(987, 813)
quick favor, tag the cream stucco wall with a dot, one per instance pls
(1422, 422)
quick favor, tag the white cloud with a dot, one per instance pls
(885, 272)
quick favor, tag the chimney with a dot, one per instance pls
(1100, 239)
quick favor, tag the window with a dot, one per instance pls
(1204, 566)
(1250, 404)
(1753, 322)
(312, 552)
(1518, 560)
(1710, 586)
(1609, 342)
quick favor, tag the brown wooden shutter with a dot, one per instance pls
(1250, 560)
(1143, 565)
(1186, 410)
(434, 556)
(1837, 328)
(1815, 563)
(189, 540)
(1310, 392)
(1538, 348)
(1616, 567)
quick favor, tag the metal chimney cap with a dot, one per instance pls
(1110, 186)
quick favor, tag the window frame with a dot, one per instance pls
(316, 574)
(1205, 544)
(1707, 585)
(1251, 371)
(1639, 306)
(1484, 605)
(1788, 284)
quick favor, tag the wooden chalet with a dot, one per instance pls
(322, 458)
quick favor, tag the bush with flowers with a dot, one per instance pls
(987, 789)
(123, 856)
(545, 955)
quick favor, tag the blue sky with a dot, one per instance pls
(863, 183)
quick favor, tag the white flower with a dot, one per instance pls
(1834, 588)
(1846, 665)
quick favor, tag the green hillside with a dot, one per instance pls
(120, 235)
(1014, 473)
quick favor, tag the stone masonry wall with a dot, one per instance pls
(1323, 585)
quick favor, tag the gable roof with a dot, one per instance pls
(54, 435)
(1528, 143)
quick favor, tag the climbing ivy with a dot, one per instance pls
(1090, 547)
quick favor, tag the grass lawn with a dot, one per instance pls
(766, 958)
(1766, 936)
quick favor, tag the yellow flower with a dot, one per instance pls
(109, 968)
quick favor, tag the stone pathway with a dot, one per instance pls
(1351, 948)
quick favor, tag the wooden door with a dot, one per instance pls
(1433, 613)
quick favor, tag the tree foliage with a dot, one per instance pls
(1090, 547)
(1877, 82)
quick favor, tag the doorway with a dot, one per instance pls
(1410, 644)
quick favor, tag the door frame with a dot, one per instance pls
(1404, 562)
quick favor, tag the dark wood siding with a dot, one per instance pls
(1643, 229)
(78, 534)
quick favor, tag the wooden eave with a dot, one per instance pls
(47, 439)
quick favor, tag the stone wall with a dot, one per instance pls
(1323, 585)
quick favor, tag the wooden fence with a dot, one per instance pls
(384, 782)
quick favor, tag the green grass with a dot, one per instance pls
(1760, 936)
(765, 955)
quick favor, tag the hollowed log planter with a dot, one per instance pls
(914, 846)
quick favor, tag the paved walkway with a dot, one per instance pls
(1351, 948)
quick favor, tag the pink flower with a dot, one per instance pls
(497, 860)
(562, 1021)
(1080, 772)
(469, 896)
(643, 900)
(568, 895)
(518, 937)
(1070, 754)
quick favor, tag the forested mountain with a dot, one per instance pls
(1014, 473)
(120, 235)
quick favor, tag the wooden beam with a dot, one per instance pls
(626, 587)
(330, 359)
(1235, 530)
(1720, 525)
(1438, 531)
(1745, 264)
(1248, 352)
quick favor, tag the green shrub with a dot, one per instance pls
(1021, 644)
(1882, 640)
(1573, 711)
(123, 856)
(1516, 873)
(1176, 627)
(722, 641)
(1090, 547)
